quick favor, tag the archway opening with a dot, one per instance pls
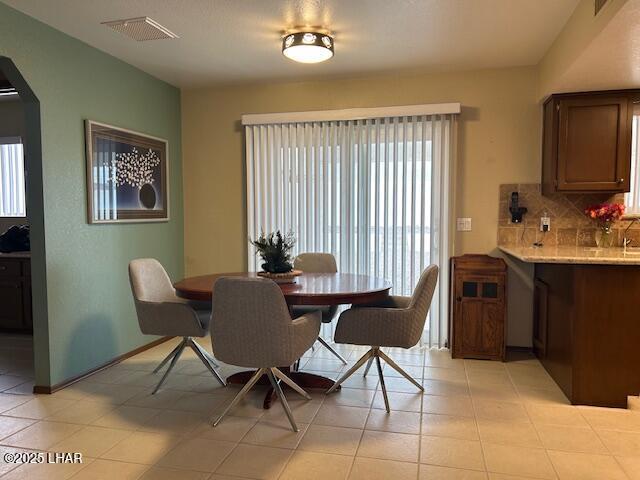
(24, 339)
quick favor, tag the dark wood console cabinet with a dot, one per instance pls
(587, 141)
(15, 294)
(587, 330)
(478, 307)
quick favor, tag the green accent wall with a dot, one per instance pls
(91, 317)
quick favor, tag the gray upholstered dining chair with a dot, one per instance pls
(161, 312)
(318, 263)
(251, 327)
(397, 322)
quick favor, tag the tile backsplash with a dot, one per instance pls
(569, 225)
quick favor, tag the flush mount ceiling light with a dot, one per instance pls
(308, 47)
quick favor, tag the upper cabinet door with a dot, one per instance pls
(594, 144)
(587, 142)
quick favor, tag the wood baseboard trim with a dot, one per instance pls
(42, 389)
(514, 348)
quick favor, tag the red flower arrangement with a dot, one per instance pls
(605, 213)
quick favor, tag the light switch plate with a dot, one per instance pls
(463, 224)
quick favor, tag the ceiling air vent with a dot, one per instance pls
(599, 4)
(141, 29)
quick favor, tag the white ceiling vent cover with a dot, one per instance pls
(141, 29)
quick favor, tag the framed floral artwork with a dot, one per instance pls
(127, 175)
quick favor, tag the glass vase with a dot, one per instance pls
(605, 237)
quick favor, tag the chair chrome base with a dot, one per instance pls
(275, 377)
(332, 350)
(376, 354)
(366, 369)
(200, 352)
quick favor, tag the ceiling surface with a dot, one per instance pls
(614, 54)
(225, 41)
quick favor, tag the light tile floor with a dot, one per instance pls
(477, 420)
(16, 363)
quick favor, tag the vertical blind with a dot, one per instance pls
(12, 181)
(373, 192)
(632, 198)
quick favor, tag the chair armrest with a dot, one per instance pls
(304, 331)
(177, 308)
(366, 313)
(392, 301)
(169, 318)
(386, 327)
(195, 304)
(307, 324)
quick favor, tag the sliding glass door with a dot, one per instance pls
(372, 192)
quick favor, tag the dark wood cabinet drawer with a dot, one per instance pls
(10, 267)
(15, 294)
(12, 301)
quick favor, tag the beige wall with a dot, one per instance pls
(498, 142)
(499, 137)
(561, 69)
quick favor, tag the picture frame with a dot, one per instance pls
(127, 175)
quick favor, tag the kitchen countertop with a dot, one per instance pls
(576, 255)
(15, 255)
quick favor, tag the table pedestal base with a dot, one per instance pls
(305, 380)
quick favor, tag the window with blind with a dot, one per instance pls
(12, 178)
(632, 198)
(373, 191)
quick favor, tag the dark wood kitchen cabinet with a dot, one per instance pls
(15, 294)
(540, 319)
(478, 311)
(591, 330)
(587, 142)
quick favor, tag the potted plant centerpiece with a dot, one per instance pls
(275, 251)
(606, 215)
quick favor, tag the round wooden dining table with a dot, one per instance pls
(308, 289)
